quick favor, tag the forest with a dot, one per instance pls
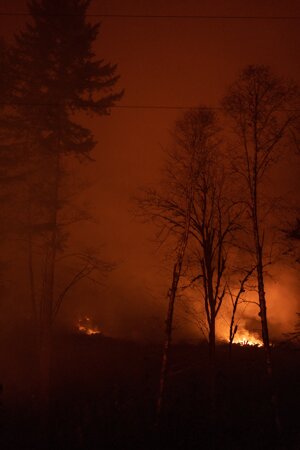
(177, 326)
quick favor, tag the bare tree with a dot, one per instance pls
(85, 265)
(260, 106)
(236, 299)
(177, 270)
(215, 221)
(194, 213)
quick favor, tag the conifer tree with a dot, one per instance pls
(58, 77)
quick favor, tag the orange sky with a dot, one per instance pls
(162, 62)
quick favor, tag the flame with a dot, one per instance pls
(85, 326)
(245, 337)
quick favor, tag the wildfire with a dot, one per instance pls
(244, 337)
(86, 326)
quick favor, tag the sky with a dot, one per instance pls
(173, 62)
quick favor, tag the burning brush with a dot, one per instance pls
(85, 326)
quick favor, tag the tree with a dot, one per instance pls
(236, 299)
(260, 107)
(181, 247)
(57, 78)
(293, 235)
(4, 93)
(6, 76)
(214, 221)
(6, 158)
(196, 216)
(11, 154)
(294, 336)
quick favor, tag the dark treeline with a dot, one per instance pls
(215, 219)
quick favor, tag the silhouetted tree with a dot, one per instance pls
(193, 211)
(3, 96)
(11, 154)
(260, 106)
(58, 76)
(5, 75)
(214, 221)
(236, 298)
(7, 158)
(295, 335)
(182, 242)
(292, 234)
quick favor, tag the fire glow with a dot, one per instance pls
(86, 326)
(246, 338)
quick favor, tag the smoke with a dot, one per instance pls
(283, 303)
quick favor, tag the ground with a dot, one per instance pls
(104, 391)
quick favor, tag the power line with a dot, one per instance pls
(132, 107)
(167, 107)
(160, 16)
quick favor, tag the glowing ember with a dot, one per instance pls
(246, 338)
(85, 326)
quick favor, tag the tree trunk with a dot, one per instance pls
(30, 261)
(212, 375)
(173, 291)
(167, 344)
(265, 334)
(48, 290)
(32, 283)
